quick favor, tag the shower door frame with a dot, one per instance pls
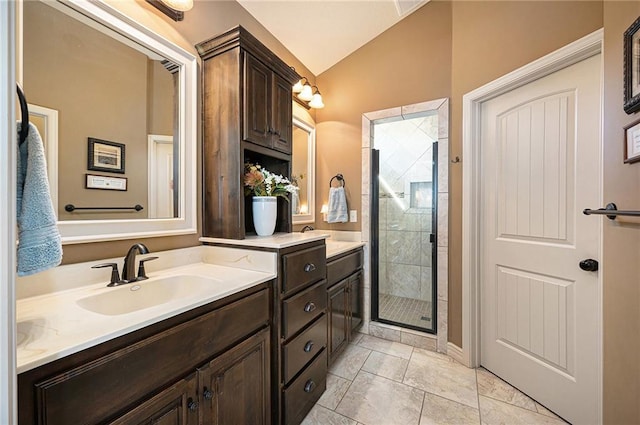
(375, 246)
(368, 119)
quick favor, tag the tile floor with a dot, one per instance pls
(380, 382)
(405, 310)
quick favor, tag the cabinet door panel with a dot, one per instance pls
(257, 126)
(282, 115)
(173, 406)
(235, 386)
(355, 303)
(337, 315)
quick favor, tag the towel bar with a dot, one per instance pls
(611, 211)
(71, 207)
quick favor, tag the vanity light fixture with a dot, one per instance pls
(316, 100)
(307, 92)
(306, 96)
(324, 211)
(172, 8)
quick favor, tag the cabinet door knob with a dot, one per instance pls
(309, 386)
(276, 132)
(308, 346)
(207, 393)
(192, 405)
(309, 307)
(309, 267)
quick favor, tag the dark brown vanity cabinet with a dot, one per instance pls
(246, 117)
(344, 300)
(209, 365)
(302, 365)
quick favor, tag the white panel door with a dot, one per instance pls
(540, 168)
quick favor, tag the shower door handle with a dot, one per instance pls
(432, 238)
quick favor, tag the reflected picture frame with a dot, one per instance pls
(105, 156)
(632, 68)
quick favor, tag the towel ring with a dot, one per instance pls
(340, 179)
(24, 110)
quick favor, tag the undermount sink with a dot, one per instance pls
(145, 294)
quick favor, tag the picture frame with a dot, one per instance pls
(632, 143)
(632, 68)
(94, 181)
(105, 156)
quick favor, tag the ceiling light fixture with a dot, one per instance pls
(172, 8)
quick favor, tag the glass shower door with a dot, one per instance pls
(403, 220)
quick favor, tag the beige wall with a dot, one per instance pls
(409, 63)
(620, 265)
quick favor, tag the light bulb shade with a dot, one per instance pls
(297, 87)
(316, 101)
(324, 209)
(180, 5)
(306, 94)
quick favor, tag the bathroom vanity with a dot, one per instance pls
(199, 357)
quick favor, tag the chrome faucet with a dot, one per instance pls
(129, 267)
(305, 228)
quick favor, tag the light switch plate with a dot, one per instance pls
(353, 216)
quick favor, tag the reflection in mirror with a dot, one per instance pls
(102, 77)
(303, 171)
(105, 89)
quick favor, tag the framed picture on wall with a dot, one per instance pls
(632, 143)
(632, 68)
(105, 156)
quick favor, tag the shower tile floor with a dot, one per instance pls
(380, 382)
(405, 310)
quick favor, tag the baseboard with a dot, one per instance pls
(455, 353)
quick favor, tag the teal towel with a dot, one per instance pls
(39, 244)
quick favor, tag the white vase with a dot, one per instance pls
(265, 213)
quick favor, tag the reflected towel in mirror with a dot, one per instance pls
(39, 243)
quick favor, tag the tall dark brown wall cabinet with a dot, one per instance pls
(247, 117)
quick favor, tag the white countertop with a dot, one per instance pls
(335, 248)
(277, 240)
(52, 325)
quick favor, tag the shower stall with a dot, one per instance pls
(404, 189)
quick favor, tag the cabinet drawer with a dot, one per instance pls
(343, 267)
(303, 267)
(304, 347)
(302, 394)
(302, 308)
(70, 397)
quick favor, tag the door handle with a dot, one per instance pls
(589, 265)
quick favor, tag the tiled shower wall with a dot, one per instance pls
(406, 166)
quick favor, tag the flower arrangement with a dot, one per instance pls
(260, 182)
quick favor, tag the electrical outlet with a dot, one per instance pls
(353, 216)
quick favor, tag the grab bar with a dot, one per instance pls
(611, 211)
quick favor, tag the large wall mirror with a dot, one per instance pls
(303, 170)
(115, 104)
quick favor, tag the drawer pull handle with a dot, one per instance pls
(308, 346)
(309, 267)
(309, 307)
(309, 386)
(207, 393)
(192, 405)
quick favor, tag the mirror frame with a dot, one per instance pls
(85, 231)
(310, 217)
